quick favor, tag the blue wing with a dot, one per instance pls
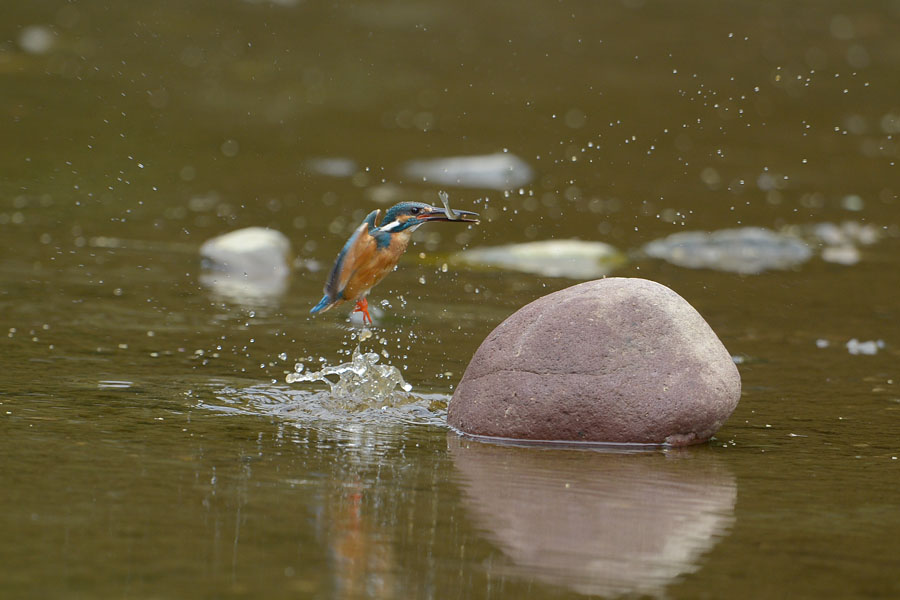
(337, 280)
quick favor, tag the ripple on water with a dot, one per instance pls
(320, 409)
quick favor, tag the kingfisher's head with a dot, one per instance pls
(407, 216)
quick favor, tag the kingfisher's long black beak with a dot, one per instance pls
(439, 214)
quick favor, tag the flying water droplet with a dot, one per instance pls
(360, 379)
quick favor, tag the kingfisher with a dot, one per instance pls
(373, 251)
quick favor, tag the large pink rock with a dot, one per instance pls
(614, 360)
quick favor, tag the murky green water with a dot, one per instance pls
(149, 446)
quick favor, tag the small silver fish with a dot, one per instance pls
(445, 199)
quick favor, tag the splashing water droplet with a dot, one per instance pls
(360, 379)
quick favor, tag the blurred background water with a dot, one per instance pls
(149, 445)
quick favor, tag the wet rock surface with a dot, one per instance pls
(755, 250)
(247, 264)
(576, 259)
(614, 360)
(331, 166)
(748, 250)
(499, 171)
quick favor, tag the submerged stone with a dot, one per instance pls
(846, 233)
(332, 166)
(749, 250)
(247, 263)
(614, 360)
(870, 347)
(839, 243)
(841, 255)
(575, 259)
(500, 171)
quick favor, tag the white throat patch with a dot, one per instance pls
(395, 224)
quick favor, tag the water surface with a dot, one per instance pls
(149, 445)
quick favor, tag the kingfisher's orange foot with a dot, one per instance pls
(362, 306)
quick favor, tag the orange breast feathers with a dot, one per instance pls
(366, 264)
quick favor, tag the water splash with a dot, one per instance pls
(362, 379)
(362, 396)
(323, 411)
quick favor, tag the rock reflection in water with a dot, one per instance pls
(243, 291)
(596, 522)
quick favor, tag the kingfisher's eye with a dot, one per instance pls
(415, 210)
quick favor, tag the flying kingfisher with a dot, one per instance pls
(373, 251)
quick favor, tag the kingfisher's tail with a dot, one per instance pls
(324, 304)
